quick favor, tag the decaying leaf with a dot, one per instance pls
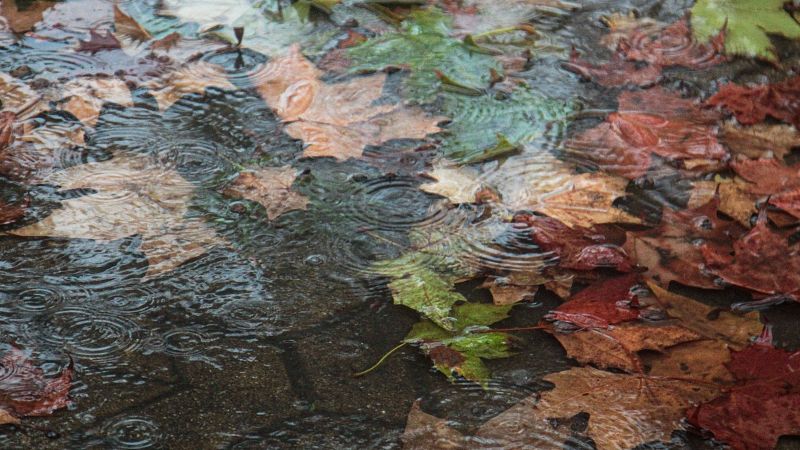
(337, 119)
(134, 196)
(271, 187)
(745, 24)
(192, 78)
(767, 176)
(426, 432)
(733, 196)
(753, 104)
(777, 259)
(649, 122)
(504, 292)
(10, 213)
(763, 407)
(601, 304)
(760, 140)
(98, 42)
(458, 184)
(25, 391)
(84, 97)
(703, 361)
(23, 15)
(672, 252)
(624, 410)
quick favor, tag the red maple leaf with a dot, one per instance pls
(601, 304)
(769, 176)
(752, 105)
(765, 404)
(576, 248)
(26, 392)
(649, 122)
(763, 260)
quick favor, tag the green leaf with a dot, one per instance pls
(490, 126)
(746, 24)
(479, 314)
(424, 46)
(429, 293)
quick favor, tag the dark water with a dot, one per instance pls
(252, 343)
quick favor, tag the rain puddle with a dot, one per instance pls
(376, 224)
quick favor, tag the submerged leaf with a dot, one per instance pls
(269, 186)
(752, 104)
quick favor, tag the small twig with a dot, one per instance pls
(380, 361)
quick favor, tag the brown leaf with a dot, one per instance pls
(338, 119)
(767, 176)
(126, 28)
(10, 213)
(735, 198)
(617, 347)
(703, 361)
(671, 251)
(617, 72)
(192, 78)
(508, 294)
(21, 19)
(456, 183)
(624, 410)
(99, 42)
(424, 431)
(84, 97)
(271, 187)
(760, 140)
(735, 330)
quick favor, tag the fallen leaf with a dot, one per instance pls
(601, 304)
(778, 261)
(25, 391)
(760, 140)
(128, 29)
(617, 72)
(787, 201)
(745, 24)
(23, 15)
(424, 431)
(99, 42)
(649, 122)
(10, 213)
(672, 251)
(618, 347)
(767, 176)
(271, 187)
(734, 197)
(457, 351)
(703, 361)
(505, 293)
(15, 95)
(192, 78)
(735, 330)
(337, 119)
(457, 184)
(753, 104)
(134, 196)
(576, 248)
(673, 46)
(84, 97)
(624, 410)
(754, 414)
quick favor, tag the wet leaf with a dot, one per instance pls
(458, 184)
(426, 432)
(617, 347)
(457, 351)
(504, 293)
(650, 122)
(84, 97)
(12, 212)
(601, 304)
(760, 140)
(624, 410)
(337, 119)
(423, 45)
(25, 391)
(703, 361)
(576, 248)
(734, 198)
(22, 15)
(194, 77)
(134, 196)
(745, 23)
(672, 252)
(98, 42)
(777, 260)
(271, 187)
(767, 176)
(753, 104)
(763, 407)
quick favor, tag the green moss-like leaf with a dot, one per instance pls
(423, 46)
(746, 23)
(489, 126)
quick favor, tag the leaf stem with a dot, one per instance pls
(380, 361)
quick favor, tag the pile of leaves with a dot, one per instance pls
(431, 78)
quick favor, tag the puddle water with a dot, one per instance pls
(194, 318)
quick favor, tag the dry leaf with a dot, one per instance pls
(271, 187)
(338, 119)
(135, 196)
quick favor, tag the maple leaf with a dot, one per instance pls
(752, 104)
(271, 187)
(733, 198)
(601, 304)
(84, 97)
(763, 407)
(767, 176)
(745, 23)
(457, 351)
(576, 248)
(624, 410)
(649, 122)
(99, 42)
(23, 15)
(617, 72)
(134, 196)
(672, 252)
(506, 291)
(424, 46)
(702, 361)
(194, 77)
(778, 261)
(424, 432)
(338, 119)
(618, 347)
(760, 140)
(26, 392)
